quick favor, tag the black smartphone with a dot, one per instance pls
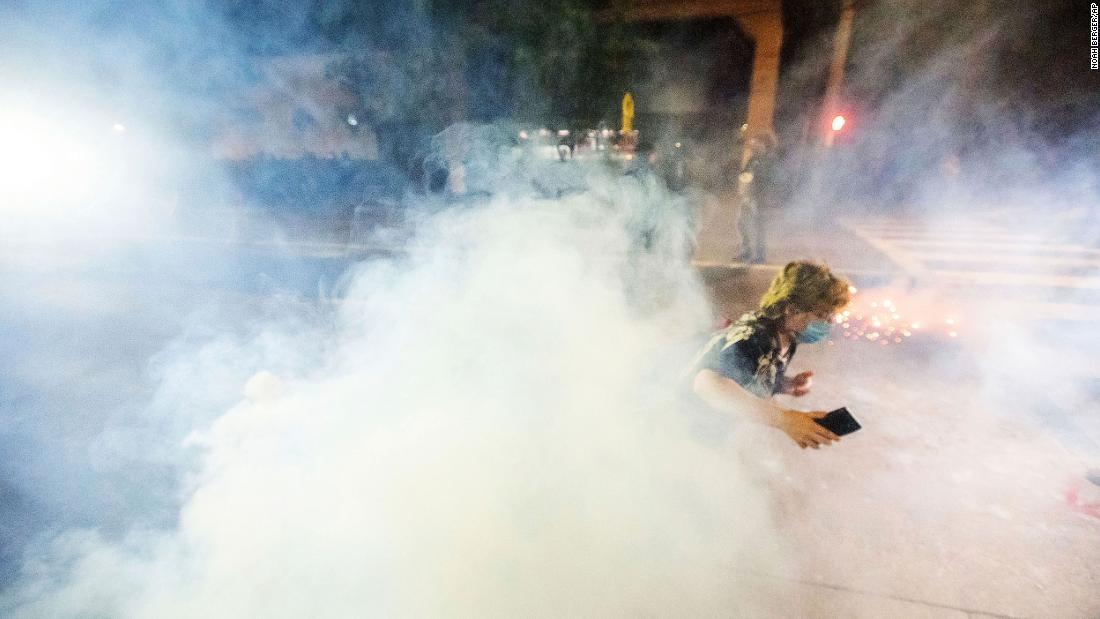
(839, 422)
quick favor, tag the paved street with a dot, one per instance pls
(945, 505)
(964, 496)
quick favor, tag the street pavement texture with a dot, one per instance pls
(940, 507)
(964, 495)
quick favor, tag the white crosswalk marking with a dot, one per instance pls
(1036, 276)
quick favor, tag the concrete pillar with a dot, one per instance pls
(765, 27)
(762, 20)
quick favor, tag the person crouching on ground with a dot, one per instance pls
(742, 366)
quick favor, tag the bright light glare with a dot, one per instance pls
(43, 161)
(838, 123)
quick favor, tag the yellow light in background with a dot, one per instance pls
(628, 113)
(838, 122)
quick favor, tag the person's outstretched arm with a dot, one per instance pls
(726, 395)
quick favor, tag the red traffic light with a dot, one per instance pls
(838, 122)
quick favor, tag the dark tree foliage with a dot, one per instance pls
(542, 61)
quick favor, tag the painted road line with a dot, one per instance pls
(1005, 258)
(896, 255)
(927, 227)
(916, 261)
(1010, 240)
(1020, 269)
(992, 278)
(966, 249)
(931, 229)
(1071, 312)
(1068, 249)
(992, 238)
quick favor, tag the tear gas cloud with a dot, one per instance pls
(952, 126)
(482, 440)
(485, 424)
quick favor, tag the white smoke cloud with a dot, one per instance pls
(494, 432)
(484, 427)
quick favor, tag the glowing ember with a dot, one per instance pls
(881, 320)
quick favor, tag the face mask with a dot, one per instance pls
(815, 331)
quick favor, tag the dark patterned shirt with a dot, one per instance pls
(749, 352)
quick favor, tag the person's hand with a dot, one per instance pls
(799, 385)
(803, 430)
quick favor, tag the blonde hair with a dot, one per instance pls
(804, 287)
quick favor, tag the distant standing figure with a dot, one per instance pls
(754, 183)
